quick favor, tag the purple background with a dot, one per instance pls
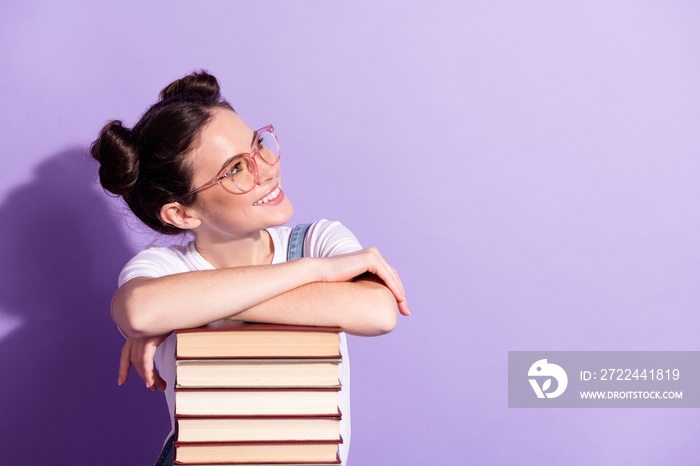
(530, 168)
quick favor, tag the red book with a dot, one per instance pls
(231, 339)
(323, 463)
(260, 402)
(258, 428)
(258, 373)
(256, 452)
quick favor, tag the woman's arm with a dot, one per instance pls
(364, 307)
(145, 306)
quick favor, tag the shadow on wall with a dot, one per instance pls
(59, 399)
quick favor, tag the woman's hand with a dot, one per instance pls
(346, 267)
(139, 352)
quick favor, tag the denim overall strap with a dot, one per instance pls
(296, 241)
(167, 456)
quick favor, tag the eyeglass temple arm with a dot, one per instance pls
(201, 188)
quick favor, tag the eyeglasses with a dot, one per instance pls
(240, 175)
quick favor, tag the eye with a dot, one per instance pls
(236, 167)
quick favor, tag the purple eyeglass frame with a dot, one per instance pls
(219, 178)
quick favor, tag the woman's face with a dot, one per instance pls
(223, 214)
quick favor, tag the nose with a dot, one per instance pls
(266, 172)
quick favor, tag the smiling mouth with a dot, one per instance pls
(269, 197)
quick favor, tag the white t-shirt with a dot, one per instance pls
(324, 239)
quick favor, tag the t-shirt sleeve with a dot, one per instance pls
(327, 238)
(152, 262)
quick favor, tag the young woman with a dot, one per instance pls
(191, 164)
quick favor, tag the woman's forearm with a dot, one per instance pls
(363, 307)
(152, 306)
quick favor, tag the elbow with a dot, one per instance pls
(387, 316)
(126, 304)
(384, 325)
(382, 313)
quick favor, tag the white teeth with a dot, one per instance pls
(269, 197)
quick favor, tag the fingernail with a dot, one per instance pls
(120, 381)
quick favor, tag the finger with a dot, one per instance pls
(160, 384)
(403, 308)
(156, 342)
(395, 274)
(391, 280)
(397, 288)
(137, 358)
(143, 363)
(125, 362)
(147, 355)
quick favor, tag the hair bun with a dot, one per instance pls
(199, 83)
(117, 153)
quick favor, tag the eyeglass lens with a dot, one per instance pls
(268, 147)
(242, 169)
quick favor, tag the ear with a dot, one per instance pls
(180, 216)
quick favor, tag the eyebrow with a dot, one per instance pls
(229, 160)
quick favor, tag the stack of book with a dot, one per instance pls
(257, 394)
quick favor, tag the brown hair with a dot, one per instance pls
(148, 165)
